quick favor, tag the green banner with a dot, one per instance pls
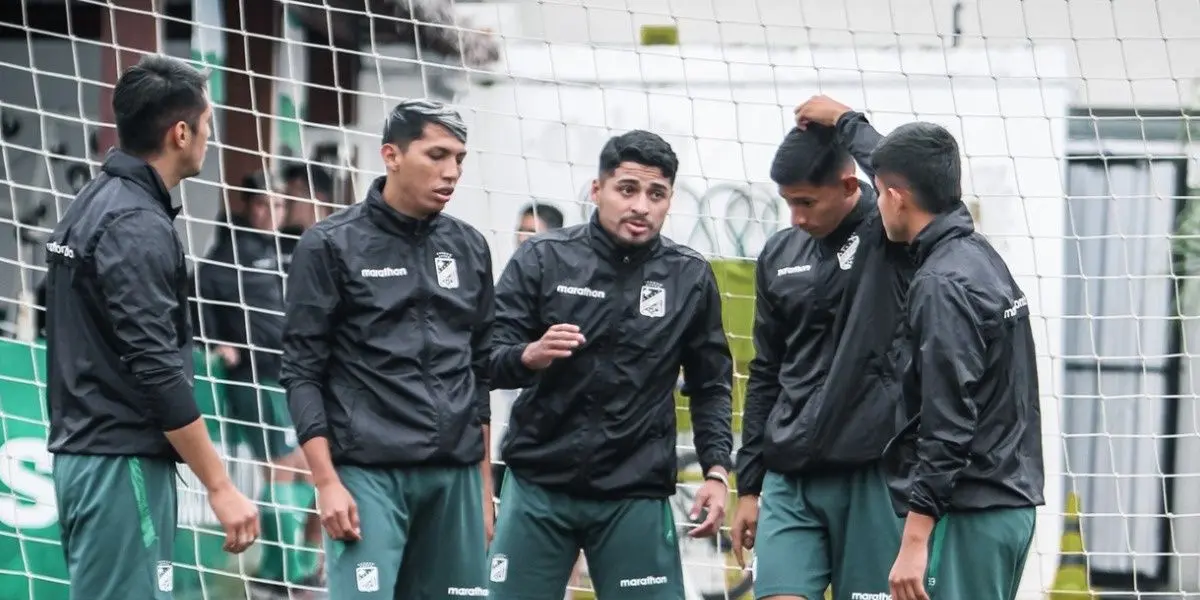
(31, 560)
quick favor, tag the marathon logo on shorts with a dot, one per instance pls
(384, 273)
(586, 292)
(643, 581)
(870, 596)
(165, 573)
(366, 576)
(473, 592)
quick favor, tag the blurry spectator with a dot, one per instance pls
(241, 308)
(536, 218)
(307, 201)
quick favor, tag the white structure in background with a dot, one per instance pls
(537, 135)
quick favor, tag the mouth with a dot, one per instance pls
(443, 193)
(637, 228)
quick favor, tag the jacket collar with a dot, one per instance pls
(126, 166)
(392, 221)
(946, 226)
(616, 251)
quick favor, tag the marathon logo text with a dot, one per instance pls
(643, 581)
(384, 272)
(59, 249)
(473, 592)
(876, 596)
(580, 291)
(1012, 311)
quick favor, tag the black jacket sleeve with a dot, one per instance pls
(481, 340)
(762, 389)
(708, 378)
(517, 323)
(135, 258)
(311, 313)
(857, 136)
(950, 362)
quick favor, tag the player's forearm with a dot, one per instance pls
(320, 461)
(917, 528)
(859, 138)
(750, 469)
(712, 422)
(486, 465)
(506, 371)
(306, 404)
(196, 449)
(176, 403)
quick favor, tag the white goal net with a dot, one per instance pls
(1074, 118)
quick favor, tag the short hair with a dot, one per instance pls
(151, 97)
(552, 217)
(810, 156)
(322, 180)
(925, 156)
(407, 122)
(641, 147)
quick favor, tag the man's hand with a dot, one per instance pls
(907, 579)
(237, 515)
(230, 356)
(711, 498)
(560, 341)
(339, 513)
(821, 110)
(745, 527)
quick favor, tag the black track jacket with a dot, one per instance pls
(973, 438)
(823, 390)
(601, 424)
(118, 330)
(386, 334)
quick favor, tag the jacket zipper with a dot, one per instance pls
(423, 322)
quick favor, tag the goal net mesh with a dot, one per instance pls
(1073, 117)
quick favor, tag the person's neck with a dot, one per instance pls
(168, 174)
(395, 199)
(917, 224)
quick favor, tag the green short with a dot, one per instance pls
(117, 519)
(422, 535)
(979, 555)
(260, 418)
(820, 530)
(631, 546)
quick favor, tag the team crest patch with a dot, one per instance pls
(166, 575)
(499, 571)
(846, 254)
(366, 575)
(447, 270)
(653, 301)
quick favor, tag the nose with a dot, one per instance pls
(641, 205)
(798, 219)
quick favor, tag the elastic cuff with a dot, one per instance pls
(178, 407)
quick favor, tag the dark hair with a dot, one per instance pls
(810, 156)
(641, 147)
(552, 217)
(925, 157)
(151, 97)
(322, 180)
(408, 119)
(254, 185)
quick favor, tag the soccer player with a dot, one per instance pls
(119, 349)
(594, 322)
(821, 399)
(388, 326)
(967, 468)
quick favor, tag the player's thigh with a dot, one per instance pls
(632, 550)
(368, 568)
(446, 555)
(980, 555)
(869, 537)
(118, 525)
(535, 545)
(791, 549)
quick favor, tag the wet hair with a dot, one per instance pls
(407, 122)
(922, 157)
(810, 156)
(641, 147)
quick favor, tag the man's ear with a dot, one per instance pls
(596, 190)
(850, 184)
(390, 154)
